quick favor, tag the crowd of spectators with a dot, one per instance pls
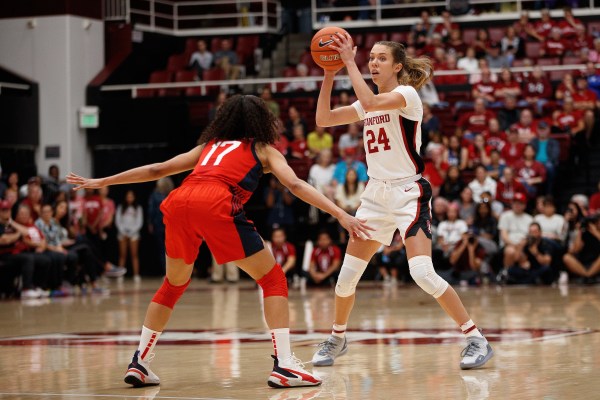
(56, 242)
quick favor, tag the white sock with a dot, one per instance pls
(281, 343)
(147, 342)
(339, 330)
(469, 329)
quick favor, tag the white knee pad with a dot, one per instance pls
(421, 270)
(352, 270)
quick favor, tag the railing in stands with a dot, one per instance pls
(381, 14)
(206, 17)
(252, 85)
(16, 86)
(115, 10)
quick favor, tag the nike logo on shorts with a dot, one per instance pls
(323, 44)
(407, 189)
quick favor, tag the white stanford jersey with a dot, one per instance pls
(393, 138)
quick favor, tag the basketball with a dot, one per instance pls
(326, 58)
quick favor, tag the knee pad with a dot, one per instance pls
(421, 270)
(274, 283)
(352, 270)
(167, 295)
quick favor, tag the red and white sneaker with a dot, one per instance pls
(291, 373)
(139, 373)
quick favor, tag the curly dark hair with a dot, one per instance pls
(242, 117)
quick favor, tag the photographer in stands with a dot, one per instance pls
(583, 256)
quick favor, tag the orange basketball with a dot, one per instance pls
(325, 57)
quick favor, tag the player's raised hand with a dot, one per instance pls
(344, 45)
(84, 183)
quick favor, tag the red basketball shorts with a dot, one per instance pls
(197, 212)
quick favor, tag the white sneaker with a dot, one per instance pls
(477, 353)
(42, 293)
(139, 373)
(115, 271)
(332, 348)
(30, 294)
(137, 279)
(563, 278)
(291, 373)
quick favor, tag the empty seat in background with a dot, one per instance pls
(372, 38)
(156, 77)
(177, 62)
(532, 49)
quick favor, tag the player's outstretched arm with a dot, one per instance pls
(276, 163)
(181, 163)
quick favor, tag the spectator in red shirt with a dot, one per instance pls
(298, 146)
(433, 43)
(475, 122)
(479, 152)
(531, 173)
(34, 199)
(325, 261)
(283, 251)
(537, 89)
(527, 126)
(581, 44)
(567, 119)
(446, 27)
(566, 88)
(524, 28)
(513, 150)
(584, 98)
(554, 45)
(508, 186)
(568, 26)
(455, 43)
(484, 89)
(493, 136)
(506, 86)
(544, 25)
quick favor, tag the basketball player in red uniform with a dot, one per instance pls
(233, 152)
(397, 196)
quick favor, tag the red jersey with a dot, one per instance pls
(555, 48)
(585, 99)
(475, 122)
(34, 234)
(568, 31)
(485, 88)
(299, 148)
(475, 155)
(567, 121)
(526, 133)
(324, 258)
(543, 28)
(524, 171)
(495, 140)
(505, 85)
(232, 162)
(506, 192)
(92, 206)
(537, 88)
(511, 153)
(283, 252)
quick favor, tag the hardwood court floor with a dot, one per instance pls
(402, 346)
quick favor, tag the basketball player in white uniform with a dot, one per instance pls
(396, 197)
